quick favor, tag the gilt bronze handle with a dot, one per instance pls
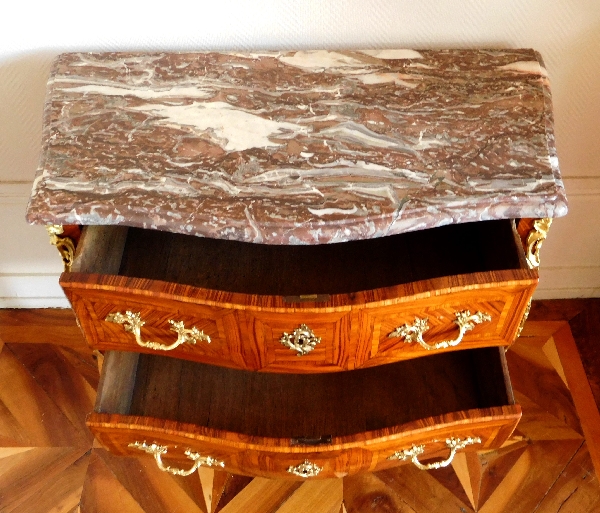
(454, 444)
(159, 450)
(414, 332)
(133, 323)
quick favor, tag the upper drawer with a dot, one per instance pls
(300, 308)
(343, 423)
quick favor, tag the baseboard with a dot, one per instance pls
(566, 293)
(33, 302)
(568, 282)
(31, 291)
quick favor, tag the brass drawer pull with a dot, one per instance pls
(133, 323)
(158, 450)
(302, 340)
(454, 444)
(414, 333)
(305, 469)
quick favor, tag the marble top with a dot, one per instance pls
(302, 147)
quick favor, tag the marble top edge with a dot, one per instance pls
(303, 147)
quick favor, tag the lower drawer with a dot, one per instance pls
(185, 414)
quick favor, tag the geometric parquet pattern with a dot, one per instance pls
(50, 463)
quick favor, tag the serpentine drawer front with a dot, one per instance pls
(300, 308)
(186, 414)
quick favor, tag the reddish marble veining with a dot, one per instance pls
(297, 147)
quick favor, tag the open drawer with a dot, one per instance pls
(303, 425)
(298, 309)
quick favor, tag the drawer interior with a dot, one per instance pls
(302, 270)
(303, 406)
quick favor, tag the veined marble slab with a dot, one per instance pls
(297, 147)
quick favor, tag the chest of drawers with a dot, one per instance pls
(290, 281)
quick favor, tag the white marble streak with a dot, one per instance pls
(526, 67)
(232, 129)
(321, 59)
(359, 134)
(139, 91)
(385, 78)
(329, 211)
(399, 53)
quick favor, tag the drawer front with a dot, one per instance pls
(267, 341)
(236, 455)
(149, 325)
(296, 342)
(266, 333)
(275, 458)
(463, 319)
(437, 448)
(280, 341)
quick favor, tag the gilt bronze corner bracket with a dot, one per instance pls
(64, 242)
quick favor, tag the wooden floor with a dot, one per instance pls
(50, 463)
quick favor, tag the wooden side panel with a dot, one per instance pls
(524, 227)
(100, 249)
(73, 231)
(115, 389)
(272, 457)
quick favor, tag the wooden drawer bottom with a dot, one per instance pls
(298, 425)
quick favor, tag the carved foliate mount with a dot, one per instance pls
(523, 320)
(64, 244)
(305, 469)
(533, 233)
(302, 340)
(537, 235)
(132, 323)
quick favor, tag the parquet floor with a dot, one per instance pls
(50, 463)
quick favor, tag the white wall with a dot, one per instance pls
(566, 32)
